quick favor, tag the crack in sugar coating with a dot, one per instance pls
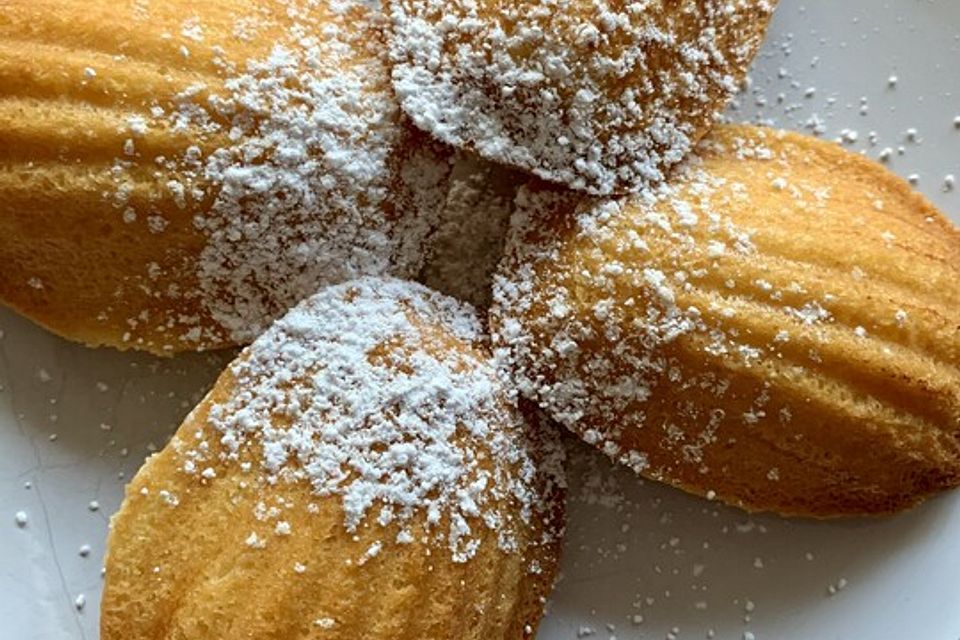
(602, 96)
(381, 393)
(722, 332)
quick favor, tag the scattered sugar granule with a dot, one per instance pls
(137, 125)
(21, 518)
(192, 30)
(949, 182)
(836, 588)
(80, 602)
(254, 542)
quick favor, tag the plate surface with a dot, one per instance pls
(642, 561)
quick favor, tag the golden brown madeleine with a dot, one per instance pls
(777, 327)
(358, 472)
(602, 96)
(175, 175)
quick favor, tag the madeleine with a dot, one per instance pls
(358, 472)
(776, 327)
(600, 96)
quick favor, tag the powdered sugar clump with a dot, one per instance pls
(602, 96)
(381, 392)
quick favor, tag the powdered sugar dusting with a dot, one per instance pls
(306, 174)
(602, 96)
(380, 392)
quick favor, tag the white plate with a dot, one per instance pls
(72, 420)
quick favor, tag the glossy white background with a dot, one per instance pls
(641, 561)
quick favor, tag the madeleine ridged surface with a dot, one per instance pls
(778, 327)
(598, 95)
(358, 472)
(175, 175)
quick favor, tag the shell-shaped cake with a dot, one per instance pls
(598, 95)
(359, 471)
(778, 327)
(176, 175)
